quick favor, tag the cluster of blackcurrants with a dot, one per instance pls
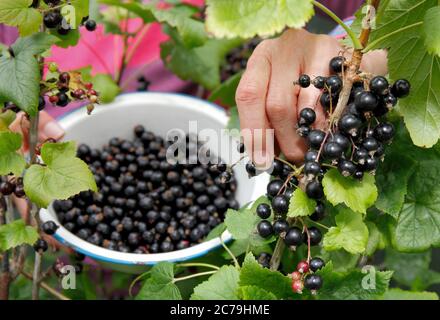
(62, 95)
(305, 275)
(145, 204)
(53, 19)
(237, 58)
(12, 186)
(356, 144)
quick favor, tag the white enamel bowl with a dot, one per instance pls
(158, 112)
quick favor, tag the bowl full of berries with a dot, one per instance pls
(163, 189)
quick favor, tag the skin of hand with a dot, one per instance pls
(267, 99)
(47, 128)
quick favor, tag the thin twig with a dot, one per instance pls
(46, 287)
(5, 275)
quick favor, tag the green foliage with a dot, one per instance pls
(222, 285)
(401, 26)
(10, 160)
(34, 44)
(160, 284)
(399, 294)
(300, 205)
(353, 284)
(106, 86)
(431, 29)
(62, 176)
(255, 293)
(357, 195)
(253, 274)
(143, 11)
(245, 19)
(15, 234)
(350, 233)
(18, 13)
(200, 64)
(225, 92)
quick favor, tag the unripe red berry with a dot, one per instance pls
(297, 286)
(302, 267)
(53, 99)
(295, 275)
(88, 85)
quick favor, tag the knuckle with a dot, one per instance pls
(248, 93)
(277, 108)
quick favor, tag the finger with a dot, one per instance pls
(281, 105)
(250, 98)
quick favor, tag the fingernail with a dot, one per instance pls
(262, 160)
(53, 130)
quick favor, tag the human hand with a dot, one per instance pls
(267, 99)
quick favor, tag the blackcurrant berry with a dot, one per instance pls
(63, 31)
(280, 204)
(352, 109)
(336, 64)
(274, 187)
(316, 138)
(319, 212)
(280, 226)
(314, 190)
(313, 282)
(264, 259)
(380, 110)
(63, 99)
(384, 132)
(332, 150)
(370, 164)
(389, 100)
(349, 124)
(315, 236)
(19, 191)
(41, 103)
(293, 237)
(304, 81)
(263, 210)
(366, 101)
(225, 177)
(49, 227)
(319, 82)
(52, 19)
(52, 2)
(360, 155)
(7, 188)
(316, 264)
(277, 168)
(379, 85)
(265, 229)
(346, 167)
(341, 140)
(307, 116)
(312, 168)
(370, 144)
(334, 84)
(40, 245)
(401, 88)
(358, 175)
(311, 155)
(241, 147)
(303, 131)
(328, 100)
(90, 25)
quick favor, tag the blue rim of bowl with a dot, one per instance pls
(128, 263)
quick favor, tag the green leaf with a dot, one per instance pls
(222, 285)
(357, 195)
(20, 81)
(192, 31)
(374, 238)
(141, 10)
(350, 233)
(160, 284)
(412, 269)
(67, 40)
(106, 86)
(18, 13)
(354, 284)
(245, 19)
(62, 176)
(81, 9)
(253, 274)
(34, 44)
(10, 160)
(242, 246)
(225, 92)
(300, 204)
(399, 294)
(255, 293)
(200, 64)
(431, 29)
(342, 260)
(400, 28)
(241, 224)
(216, 232)
(6, 118)
(15, 234)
